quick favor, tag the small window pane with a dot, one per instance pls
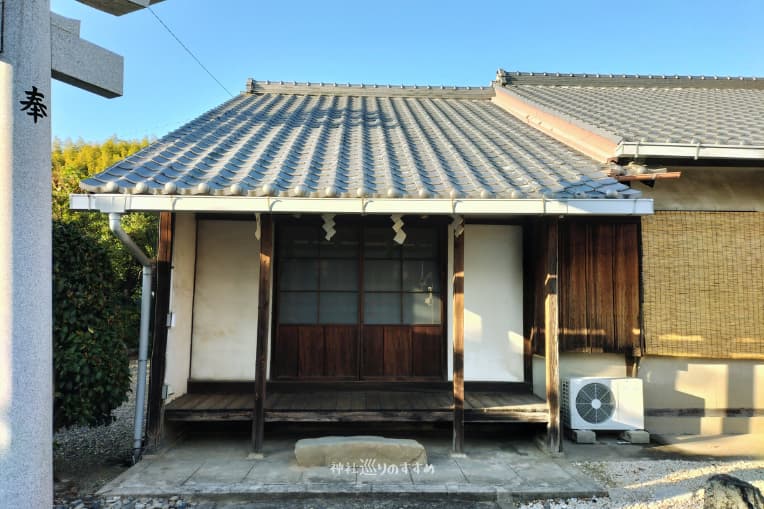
(382, 308)
(339, 274)
(299, 241)
(298, 307)
(378, 243)
(297, 274)
(420, 276)
(338, 307)
(420, 243)
(382, 275)
(421, 308)
(344, 243)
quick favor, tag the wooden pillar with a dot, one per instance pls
(159, 342)
(529, 317)
(458, 375)
(263, 317)
(551, 338)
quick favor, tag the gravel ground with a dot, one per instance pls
(86, 458)
(655, 484)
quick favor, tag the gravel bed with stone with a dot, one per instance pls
(655, 484)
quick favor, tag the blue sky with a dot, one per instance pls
(398, 42)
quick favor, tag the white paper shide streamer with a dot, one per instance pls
(400, 235)
(458, 225)
(257, 226)
(328, 225)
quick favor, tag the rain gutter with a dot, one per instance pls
(637, 149)
(115, 225)
(121, 203)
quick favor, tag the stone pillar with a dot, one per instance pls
(26, 374)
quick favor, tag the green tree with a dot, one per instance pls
(97, 287)
(90, 361)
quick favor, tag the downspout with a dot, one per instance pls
(115, 225)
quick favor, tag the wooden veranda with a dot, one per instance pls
(504, 403)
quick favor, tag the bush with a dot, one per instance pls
(97, 288)
(91, 372)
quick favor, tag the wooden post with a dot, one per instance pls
(458, 376)
(159, 342)
(551, 338)
(529, 318)
(263, 316)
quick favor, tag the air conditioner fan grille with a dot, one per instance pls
(595, 403)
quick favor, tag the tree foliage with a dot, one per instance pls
(89, 356)
(96, 285)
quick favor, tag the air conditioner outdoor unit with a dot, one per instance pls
(590, 403)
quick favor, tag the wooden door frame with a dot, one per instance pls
(439, 224)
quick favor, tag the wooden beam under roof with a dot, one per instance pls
(648, 176)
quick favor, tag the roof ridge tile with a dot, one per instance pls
(627, 80)
(369, 89)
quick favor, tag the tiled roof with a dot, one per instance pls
(706, 110)
(319, 140)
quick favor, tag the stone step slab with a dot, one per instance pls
(359, 450)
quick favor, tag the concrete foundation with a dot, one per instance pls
(583, 436)
(636, 436)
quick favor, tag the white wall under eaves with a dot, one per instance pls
(493, 303)
(225, 304)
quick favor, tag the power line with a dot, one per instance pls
(189, 51)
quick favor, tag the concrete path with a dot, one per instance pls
(217, 468)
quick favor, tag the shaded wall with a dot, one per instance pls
(181, 305)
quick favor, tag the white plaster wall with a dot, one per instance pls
(579, 364)
(493, 303)
(676, 383)
(680, 383)
(225, 304)
(181, 305)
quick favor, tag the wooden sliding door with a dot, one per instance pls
(359, 306)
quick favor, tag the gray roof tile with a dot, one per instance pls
(654, 109)
(349, 141)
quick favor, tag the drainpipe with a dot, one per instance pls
(115, 225)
